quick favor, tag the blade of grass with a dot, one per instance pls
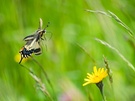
(86, 53)
(41, 85)
(109, 74)
(108, 70)
(114, 49)
(38, 81)
(100, 12)
(116, 18)
(121, 23)
(45, 74)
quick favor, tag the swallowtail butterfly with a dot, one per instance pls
(33, 42)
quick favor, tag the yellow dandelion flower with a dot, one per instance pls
(18, 57)
(97, 76)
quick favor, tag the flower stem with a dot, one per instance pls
(100, 86)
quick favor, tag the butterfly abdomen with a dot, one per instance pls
(25, 53)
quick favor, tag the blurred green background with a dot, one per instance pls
(64, 61)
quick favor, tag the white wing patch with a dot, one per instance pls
(34, 45)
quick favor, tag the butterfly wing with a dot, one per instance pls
(30, 37)
(37, 49)
(32, 46)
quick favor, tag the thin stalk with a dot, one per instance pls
(114, 49)
(46, 76)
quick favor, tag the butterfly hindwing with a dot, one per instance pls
(36, 48)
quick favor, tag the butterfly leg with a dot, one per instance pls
(21, 59)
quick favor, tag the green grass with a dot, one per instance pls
(72, 50)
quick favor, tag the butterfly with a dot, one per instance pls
(33, 42)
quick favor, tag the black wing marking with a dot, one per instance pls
(30, 37)
(37, 50)
(25, 53)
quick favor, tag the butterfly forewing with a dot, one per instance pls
(30, 37)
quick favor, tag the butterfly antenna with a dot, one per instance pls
(47, 25)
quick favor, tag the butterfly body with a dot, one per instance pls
(33, 43)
